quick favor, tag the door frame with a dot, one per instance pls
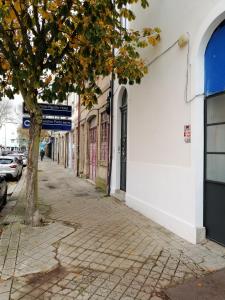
(196, 100)
(123, 112)
(92, 124)
(205, 165)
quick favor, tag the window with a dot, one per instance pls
(6, 161)
(104, 140)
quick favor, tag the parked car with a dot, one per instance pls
(3, 190)
(10, 167)
(19, 156)
(24, 160)
(25, 153)
(5, 152)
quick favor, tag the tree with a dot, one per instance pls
(23, 134)
(49, 48)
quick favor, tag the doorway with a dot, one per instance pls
(214, 184)
(215, 168)
(92, 149)
(123, 143)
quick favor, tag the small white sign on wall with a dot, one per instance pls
(187, 133)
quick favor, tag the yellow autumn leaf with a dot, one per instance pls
(17, 6)
(48, 79)
(34, 49)
(153, 40)
(5, 65)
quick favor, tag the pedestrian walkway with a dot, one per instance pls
(95, 247)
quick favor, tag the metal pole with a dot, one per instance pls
(111, 126)
(78, 139)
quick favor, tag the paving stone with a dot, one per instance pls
(96, 248)
(4, 296)
(143, 296)
(102, 292)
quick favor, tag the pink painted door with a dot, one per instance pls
(92, 152)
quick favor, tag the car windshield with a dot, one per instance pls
(5, 161)
(15, 155)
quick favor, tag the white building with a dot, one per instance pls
(8, 128)
(160, 172)
(8, 136)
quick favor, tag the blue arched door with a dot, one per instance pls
(214, 202)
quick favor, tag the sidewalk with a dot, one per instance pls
(94, 247)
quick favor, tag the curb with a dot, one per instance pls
(9, 215)
(19, 187)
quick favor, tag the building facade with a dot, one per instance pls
(91, 139)
(9, 138)
(168, 140)
(61, 146)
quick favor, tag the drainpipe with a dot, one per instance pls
(111, 125)
(78, 139)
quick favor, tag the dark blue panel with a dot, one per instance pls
(215, 62)
(53, 110)
(50, 124)
(26, 123)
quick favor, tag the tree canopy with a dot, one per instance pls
(51, 48)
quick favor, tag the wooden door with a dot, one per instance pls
(92, 153)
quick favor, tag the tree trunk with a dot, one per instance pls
(32, 168)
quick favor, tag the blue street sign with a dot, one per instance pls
(51, 124)
(26, 123)
(53, 110)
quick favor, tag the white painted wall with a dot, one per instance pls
(164, 174)
(8, 130)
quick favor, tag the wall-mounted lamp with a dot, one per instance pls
(183, 40)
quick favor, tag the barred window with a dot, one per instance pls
(104, 136)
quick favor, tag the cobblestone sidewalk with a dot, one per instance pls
(95, 248)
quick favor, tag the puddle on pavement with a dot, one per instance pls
(51, 186)
(81, 194)
(46, 276)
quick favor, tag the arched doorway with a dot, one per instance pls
(214, 187)
(92, 148)
(123, 142)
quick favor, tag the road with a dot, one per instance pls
(12, 186)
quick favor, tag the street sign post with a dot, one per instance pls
(50, 124)
(53, 110)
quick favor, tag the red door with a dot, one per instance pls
(92, 152)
